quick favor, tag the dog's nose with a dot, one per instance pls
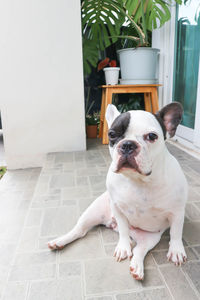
(128, 147)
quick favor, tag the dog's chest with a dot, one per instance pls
(146, 207)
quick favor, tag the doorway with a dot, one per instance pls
(186, 81)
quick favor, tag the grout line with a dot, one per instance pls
(163, 278)
(191, 284)
(28, 290)
(83, 281)
(17, 244)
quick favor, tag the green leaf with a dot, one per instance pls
(104, 20)
(90, 56)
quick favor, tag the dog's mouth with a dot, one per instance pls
(126, 162)
(129, 163)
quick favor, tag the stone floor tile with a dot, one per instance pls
(34, 258)
(76, 193)
(63, 157)
(196, 166)
(58, 220)
(46, 201)
(197, 204)
(29, 239)
(109, 235)
(192, 212)
(191, 233)
(107, 275)
(193, 195)
(69, 202)
(41, 189)
(69, 269)
(98, 183)
(192, 269)
(100, 298)
(68, 289)
(4, 271)
(7, 251)
(84, 204)
(15, 291)
(87, 171)
(109, 249)
(96, 194)
(197, 249)
(10, 234)
(85, 248)
(177, 283)
(62, 180)
(152, 278)
(32, 272)
(148, 261)
(156, 294)
(34, 217)
(82, 181)
(163, 244)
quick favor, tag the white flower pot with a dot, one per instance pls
(111, 75)
(139, 65)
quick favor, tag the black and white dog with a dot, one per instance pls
(146, 188)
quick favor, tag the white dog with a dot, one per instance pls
(146, 188)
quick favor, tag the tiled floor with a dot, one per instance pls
(85, 269)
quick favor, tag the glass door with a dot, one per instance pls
(186, 67)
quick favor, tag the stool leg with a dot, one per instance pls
(108, 100)
(154, 100)
(147, 101)
(102, 113)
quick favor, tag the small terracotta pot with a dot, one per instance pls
(91, 131)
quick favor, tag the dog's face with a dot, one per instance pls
(136, 138)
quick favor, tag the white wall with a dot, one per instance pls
(41, 81)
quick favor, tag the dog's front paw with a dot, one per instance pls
(176, 253)
(56, 244)
(137, 268)
(123, 249)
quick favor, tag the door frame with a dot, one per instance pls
(162, 38)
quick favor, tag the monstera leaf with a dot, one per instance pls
(102, 21)
(156, 12)
(90, 55)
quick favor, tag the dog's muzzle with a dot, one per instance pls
(129, 147)
(127, 151)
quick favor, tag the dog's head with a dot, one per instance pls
(137, 138)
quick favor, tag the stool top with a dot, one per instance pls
(129, 85)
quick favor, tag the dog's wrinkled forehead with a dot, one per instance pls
(132, 124)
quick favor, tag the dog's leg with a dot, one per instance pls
(145, 241)
(123, 248)
(176, 251)
(97, 213)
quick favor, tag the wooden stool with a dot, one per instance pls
(150, 101)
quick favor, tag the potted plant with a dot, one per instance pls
(102, 21)
(92, 122)
(110, 69)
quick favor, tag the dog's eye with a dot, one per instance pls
(112, 134)
(151, 137)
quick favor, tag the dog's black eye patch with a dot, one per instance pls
(118, 128)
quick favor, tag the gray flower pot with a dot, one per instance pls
(139, 65)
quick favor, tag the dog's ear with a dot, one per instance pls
(171, 116)
(111, 114)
